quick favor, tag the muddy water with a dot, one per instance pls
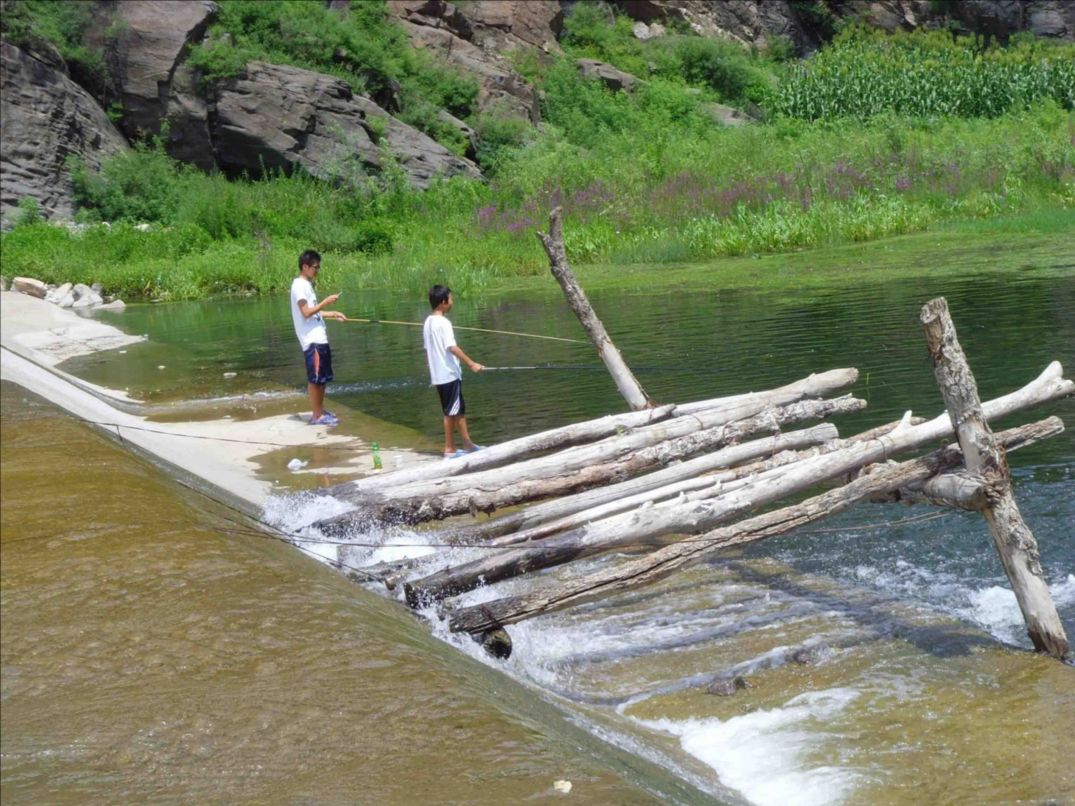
(150, 656)
(913, 682)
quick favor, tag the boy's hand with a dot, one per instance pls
(476, 367)
(339, 316)
(331, 299)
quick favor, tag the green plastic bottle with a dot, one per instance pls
(376, 451)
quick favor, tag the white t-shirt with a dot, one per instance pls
(438, 336)
(309, 330)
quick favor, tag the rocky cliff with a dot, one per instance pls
(288, 118)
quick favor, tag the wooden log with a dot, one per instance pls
(959, 490)
(1014, 541)
(681, 478)
(652, 567)
(624, 379)
(581, 467)
(813, 386)
(689, 517)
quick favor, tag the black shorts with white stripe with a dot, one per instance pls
(451, 398)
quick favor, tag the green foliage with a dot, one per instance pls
(138, 185)
(923, 74)
(28, 23)
(498, 135)
(29, 212)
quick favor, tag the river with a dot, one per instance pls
(149, 653)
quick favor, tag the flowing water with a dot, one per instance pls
(148, 653)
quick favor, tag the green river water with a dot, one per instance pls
(149, 654)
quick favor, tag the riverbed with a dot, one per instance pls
(149, 653)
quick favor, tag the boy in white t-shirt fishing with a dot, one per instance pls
(308, 316)
(443, 355)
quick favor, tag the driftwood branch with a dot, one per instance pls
(652, 567)
(610, 460)
(983, 457)
(624, 379)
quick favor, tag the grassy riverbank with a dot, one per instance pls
(857, 146)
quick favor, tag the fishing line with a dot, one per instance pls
(460, 327)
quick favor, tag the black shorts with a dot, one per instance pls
(318, 364)
(451, 398)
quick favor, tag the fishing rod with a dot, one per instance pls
(460, 327)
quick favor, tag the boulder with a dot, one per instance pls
(114, 305)
(29, 286)
(46, 119)
(474, 39)
(727, 115)
(283, 117)
(146, 44)
(615, 80)
(58, 293)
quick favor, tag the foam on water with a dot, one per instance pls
(992, 607)
(763, 754)
(996, 609)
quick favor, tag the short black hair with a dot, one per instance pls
(309, 258)
(437, 295)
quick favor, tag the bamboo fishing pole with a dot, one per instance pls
(459, 327)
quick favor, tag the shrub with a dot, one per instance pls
(142, 184)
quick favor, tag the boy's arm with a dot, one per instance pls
(308, 310)
(458, 353)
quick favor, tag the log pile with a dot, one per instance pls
(676, 483)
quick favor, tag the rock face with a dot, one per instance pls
(759, 22)
(146, 44)
(475, 38)
(46, 119)
(281, 117)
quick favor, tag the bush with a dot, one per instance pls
(142, 184)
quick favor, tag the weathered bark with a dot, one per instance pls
(703, 509)
(1014, 541)
(516, 523)
(652, 567)
(814, 386)
(689, 517)
(678, 479)
(553, 243)
(957, 490)
(610, 460)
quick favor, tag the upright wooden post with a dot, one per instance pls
(982, 456)
(625, 381)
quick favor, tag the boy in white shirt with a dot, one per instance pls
(443, 355)
(308, 316)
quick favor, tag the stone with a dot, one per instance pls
(727, 686)
(475, 38)
(29, 286)
(66, 301)
(643, 32)
(283, 117)
(47, 119)
(146, 43)
(114, 305)
(3, 283)
(727, 115)
(58, 293)
(615, 80)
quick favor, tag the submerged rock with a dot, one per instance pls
(727, 686)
